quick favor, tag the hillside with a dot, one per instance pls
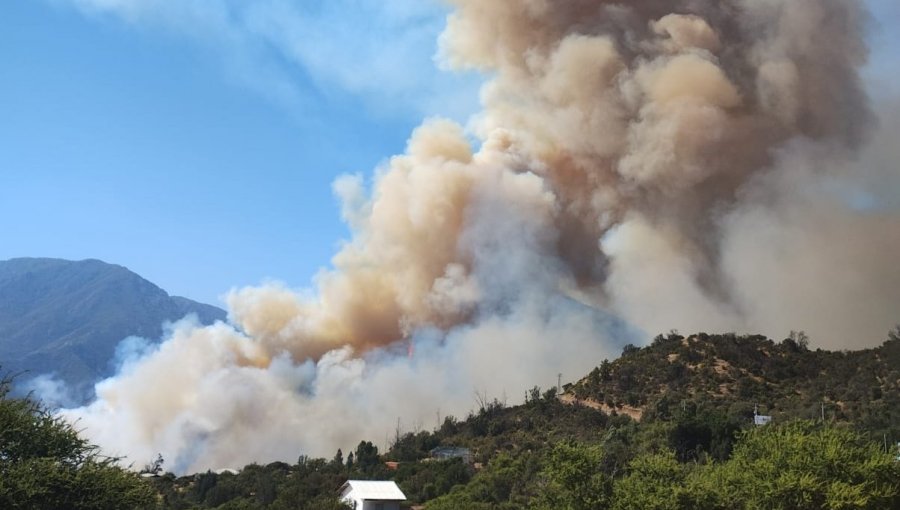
(733, 374)
(674, 417)
(66, 317)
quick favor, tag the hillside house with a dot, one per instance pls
(451, 452)
(372, 495)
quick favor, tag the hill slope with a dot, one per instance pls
(67, 317)
(733, 373)
(674, 417)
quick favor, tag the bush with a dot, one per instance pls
(44, 464)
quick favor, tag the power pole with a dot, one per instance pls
(559, 383)
(823, 412)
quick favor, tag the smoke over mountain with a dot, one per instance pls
(641, 166)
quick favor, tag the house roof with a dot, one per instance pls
(450, 451)
(374, 490)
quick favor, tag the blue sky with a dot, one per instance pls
(198, 159)
(195, 142)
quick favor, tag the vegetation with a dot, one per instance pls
(668, 426)
(797, 466)
(729, 374)
(311, 484)
(44, 465)
(694, 445)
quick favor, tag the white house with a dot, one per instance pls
(372, 495)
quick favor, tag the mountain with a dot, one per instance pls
(67, 317)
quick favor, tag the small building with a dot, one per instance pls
(451, 452)
(760, 419)
(372, 495)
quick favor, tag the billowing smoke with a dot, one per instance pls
(641, 166)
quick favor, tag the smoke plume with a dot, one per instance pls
(701, 165)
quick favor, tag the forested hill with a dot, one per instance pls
(734, 373)
(668, 426)
(66, 317)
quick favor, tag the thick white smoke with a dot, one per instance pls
(643, 166)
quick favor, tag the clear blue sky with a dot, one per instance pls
(195, 142)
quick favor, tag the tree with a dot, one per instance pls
(44, 464)
(606, 370)
(653, 483)
(155, 466)
(366, 456)
(498, 486)
(327, 503)
(573, 479)
(796, 466)
(804, 465)
(702, 431)
(797, 341)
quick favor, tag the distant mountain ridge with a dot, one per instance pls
(67, 317)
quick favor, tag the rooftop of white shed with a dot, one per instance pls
(373, 490)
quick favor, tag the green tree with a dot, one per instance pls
(804, 465)
(796, 466)
(502, 484)
(366, 456)
(573, 479)
(653, 483)
(700, 431)
(45, 465)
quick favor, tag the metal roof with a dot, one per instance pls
(374, 490)
(449, 452)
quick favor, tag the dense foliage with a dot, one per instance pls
(310, 484)
(668, 426)
(797, 466)
(44, 465)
